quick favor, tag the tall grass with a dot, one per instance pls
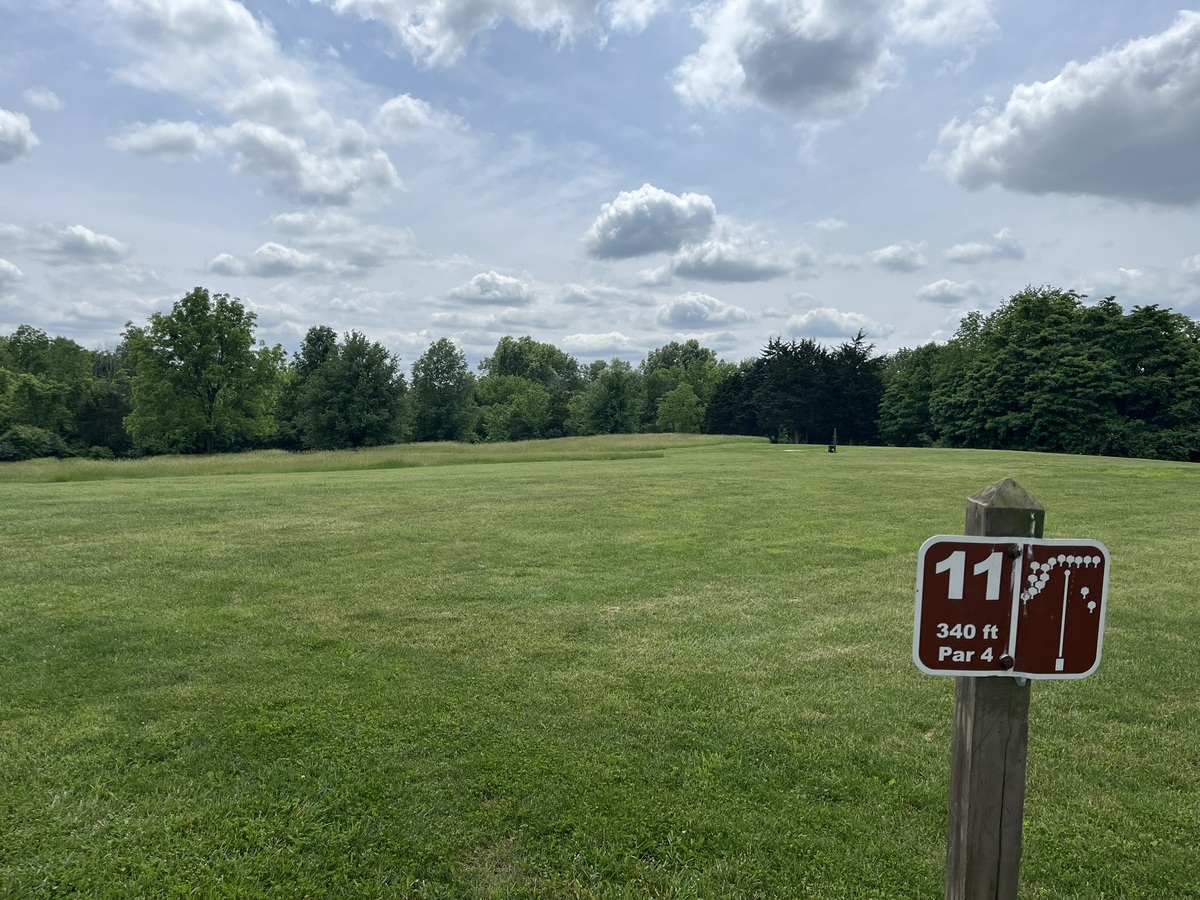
(394, 456)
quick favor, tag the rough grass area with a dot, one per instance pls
(395, 456)
(684, 674)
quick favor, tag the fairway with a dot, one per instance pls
(623, 668)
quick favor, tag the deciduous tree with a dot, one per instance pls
(200, 381)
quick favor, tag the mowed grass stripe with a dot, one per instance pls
(677, 675)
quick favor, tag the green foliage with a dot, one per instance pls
(443, 392)
(343, 395)
(790, 391)
(666, 368)
(543, 364)
(22, 442)
(612, 402)
(904, 418)
(680, 410)
(533, 360)
(1046, 372)
(200, 382)
(513, 408)
(731, 409)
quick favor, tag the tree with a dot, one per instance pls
(1045, 372)
(680, 410)
(666, 368)
(854, 386)
(791, 395)
(443, 394)
(731, 409)
(544, 364)
(200, 382)
(345, 395)
(612, 402)
(513, 408)
(904, 419)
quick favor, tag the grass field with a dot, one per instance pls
(633, 668)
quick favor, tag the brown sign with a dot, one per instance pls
(1010, 606)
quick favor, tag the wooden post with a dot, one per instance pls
(991, 733)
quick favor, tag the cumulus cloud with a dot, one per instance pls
(405, 119)
(438, 32)
(826, 322)
(1001, 245)
(829, 224)
(16, 136)
(649, 220)
(167, 140)
(79, 245)
(809, 58)
(285, 121)
(727, 261)
(492, 288)
(695, 310)
(271, 260)
(1191, 267)
(1124, 125)
(295, 172)
(902, 257)
(42, 98)
(950, 293)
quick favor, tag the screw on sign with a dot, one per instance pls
(1023, 607)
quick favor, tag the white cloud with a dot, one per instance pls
(807, 58)
(727, 261)
(902, 257)
(830, 224)
(16, 136)
(77, 244)
(1001, 245)
(951, 293)
(649, 220)
(9, 273)
(405, 119)
(438, 32)
(295, 172)
(825, 322)
(42, 98)
(344, 238)
(1191, 267)
(1124, 125)
(168, 140)
(286, 116)
(607, 342)
(943, 22)
(695, 310)
(634, 15)
(271, 260)
(601, 296)
(492, 288)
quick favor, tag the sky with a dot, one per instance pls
(605, 176)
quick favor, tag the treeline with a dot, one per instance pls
(1044, 372)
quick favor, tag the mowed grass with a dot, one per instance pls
(684, 673)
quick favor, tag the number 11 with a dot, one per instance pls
(956, 565)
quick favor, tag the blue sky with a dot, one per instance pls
(604, 176)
